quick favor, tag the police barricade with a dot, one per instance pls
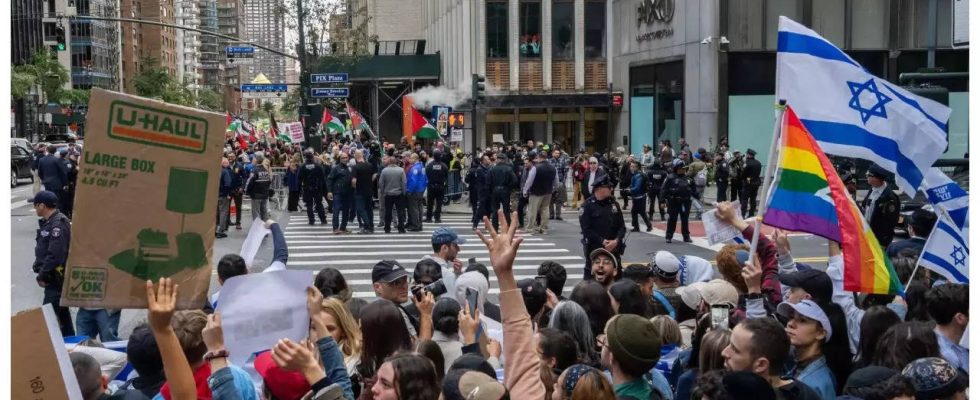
(456, 189)
(279, 187)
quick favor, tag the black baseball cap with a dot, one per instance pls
(815, 282)
(45, 197)
(387, 271)
(604, 181)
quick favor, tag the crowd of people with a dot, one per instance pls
(759, 326)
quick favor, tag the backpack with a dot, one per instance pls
(701, 179)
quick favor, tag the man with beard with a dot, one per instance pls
(601, 220)
(605, 267)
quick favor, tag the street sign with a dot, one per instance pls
(338, 77)
(263, 91)
(330, 92)
(237, 55)
(457, 120)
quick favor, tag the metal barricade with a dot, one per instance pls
(279, 187)
(456, 190)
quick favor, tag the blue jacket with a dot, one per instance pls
(231, 382)
(238, 175)
(225, 184)
(637, 189)
(53, 172)
(333, 366)
(292, 180)
(417, 182)
(818, 376)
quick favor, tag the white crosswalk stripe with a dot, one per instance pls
(314, 247)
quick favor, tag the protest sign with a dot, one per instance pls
(296, 132)
(253, 323)
(42, 370)
(250, 247)
(719, 231)
(145, 203)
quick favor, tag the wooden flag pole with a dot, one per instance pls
(767, 178)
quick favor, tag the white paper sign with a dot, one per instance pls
(259, 309)
(457, 135)
(296, 132)
(253, 241)
(719, 231)
(498, 138)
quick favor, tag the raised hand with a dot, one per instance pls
(298, 357)
(781, 238)
(469, 324)
(752, 274)
(160, 303)
(214, 337)
(502, 245)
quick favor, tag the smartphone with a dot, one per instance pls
(472, 297)
(543, 280)
(719, 316)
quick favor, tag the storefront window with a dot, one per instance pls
(530, 29)
(563, 30)
(496, 30)
(595, 29)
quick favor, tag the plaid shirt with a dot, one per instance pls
(561, 166)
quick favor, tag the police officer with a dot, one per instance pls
(751, 178)
(477, 178)
(656, 176)
(71, 165)
(881, 206)
(601, 220)
(238, 177)
(678, 190)
(722, 174)
(736, 165)
(51, 253)
(257, 188)
(502, 181)
(438, 173)
(53, 174)
(312, 182)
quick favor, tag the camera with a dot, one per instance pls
(437, 289)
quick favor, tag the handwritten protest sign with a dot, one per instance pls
(145, 203)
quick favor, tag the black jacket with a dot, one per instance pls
(53, 173)
(655, 179)
(311, 178)
(259, 183)
(752, 173)
(339, 180)
(884, 218)
(602, 220)
(51, 248)
(502, 177)
(438, 174)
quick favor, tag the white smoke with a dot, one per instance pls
(430, 96)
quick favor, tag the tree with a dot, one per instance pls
(155, 82)
(44, 70)
(210, 100)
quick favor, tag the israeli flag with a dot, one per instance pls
(946, 252)
(942, 192)
(852, 113)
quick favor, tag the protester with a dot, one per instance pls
(875, 322)
(627, 298)
(331, 283)
(594, 299)
(630, 348)
(761, 346)
(406, 376)
(344, 330)
(949, 306)
(571, 318)
(823, 360)
(582, 382)
(935, 378)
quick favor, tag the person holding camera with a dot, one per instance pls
(445, 248)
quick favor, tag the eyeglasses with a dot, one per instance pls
(603, 261)
(593, 163)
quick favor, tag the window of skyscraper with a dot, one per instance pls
(595, 29)
(563, 29)
(496, 29)
(530, 29)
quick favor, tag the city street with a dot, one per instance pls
(315, 247)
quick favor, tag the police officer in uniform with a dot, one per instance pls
(722, 173)
(656, 176)
(438, 173)
(51, 253)
(601, 220)
(502, 181)
(257, 188)
(735, 167)
(678, 190)
(312, 182)
(751, 178)
(881, 206)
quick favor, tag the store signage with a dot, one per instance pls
(655, 10)
(655, 35)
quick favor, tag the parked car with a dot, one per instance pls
(20, 165)
(23, 143)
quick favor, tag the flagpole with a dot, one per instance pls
(767, 178)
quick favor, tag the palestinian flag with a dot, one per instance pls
(276, 133)
(358, 122)
(228, 118)
(331, 123)
(421, 128)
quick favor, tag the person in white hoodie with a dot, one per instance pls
(445, 247)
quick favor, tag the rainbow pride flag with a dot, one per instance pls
(808, 196)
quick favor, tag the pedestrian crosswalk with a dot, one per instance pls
(314, 247)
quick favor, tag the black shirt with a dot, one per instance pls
(364, 172)
(796, 391)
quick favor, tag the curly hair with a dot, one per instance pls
(729, 267)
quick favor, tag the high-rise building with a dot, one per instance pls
(188, 44)
(231, 22)
(265, 25)
(143, 44)
(27, 38)
(211, 60)
(95, 46)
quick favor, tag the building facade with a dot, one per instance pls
(188, 44)
(27, 38)
(705, 69)
(143, 43)
(545, 63)
(265, 25)
(212, 54)
(95, 52)
(231, 22)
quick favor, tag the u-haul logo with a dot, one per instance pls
(156, 127)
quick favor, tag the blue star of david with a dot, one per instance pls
(959, 257)
(878, 109)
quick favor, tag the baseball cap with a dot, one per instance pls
(809, 309)
(604, 181)
(44, 197)
(666, 265)
(713, 292)
(750, 152)
(281, 383)
(443, 235)
(387, 271)
(813, 281)
(605, 252)
(935, 378)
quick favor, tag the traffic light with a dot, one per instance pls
(59, 34)
(479, 89)
(616, 98)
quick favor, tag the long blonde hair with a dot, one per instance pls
(350, 345)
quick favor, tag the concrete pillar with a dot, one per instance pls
(549, 128)
(481, 37)
(546, 48)
(516, 125)
(513, 43)
(580, 44)
(609, 43)
(581, 127)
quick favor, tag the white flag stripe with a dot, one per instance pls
(946, 253)
(484, 260)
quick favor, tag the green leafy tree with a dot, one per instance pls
(155, 82)
(210, 100)
(44, 70)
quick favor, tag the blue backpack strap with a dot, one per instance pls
(663, 300)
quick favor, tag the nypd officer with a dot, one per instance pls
(312, 182)
(602, 223)
(881, 206)
(655, 180)
(677, 191)
(51, 253)
(751, 179)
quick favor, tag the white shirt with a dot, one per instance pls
(875, 194)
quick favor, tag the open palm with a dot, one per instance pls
(502, 245)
